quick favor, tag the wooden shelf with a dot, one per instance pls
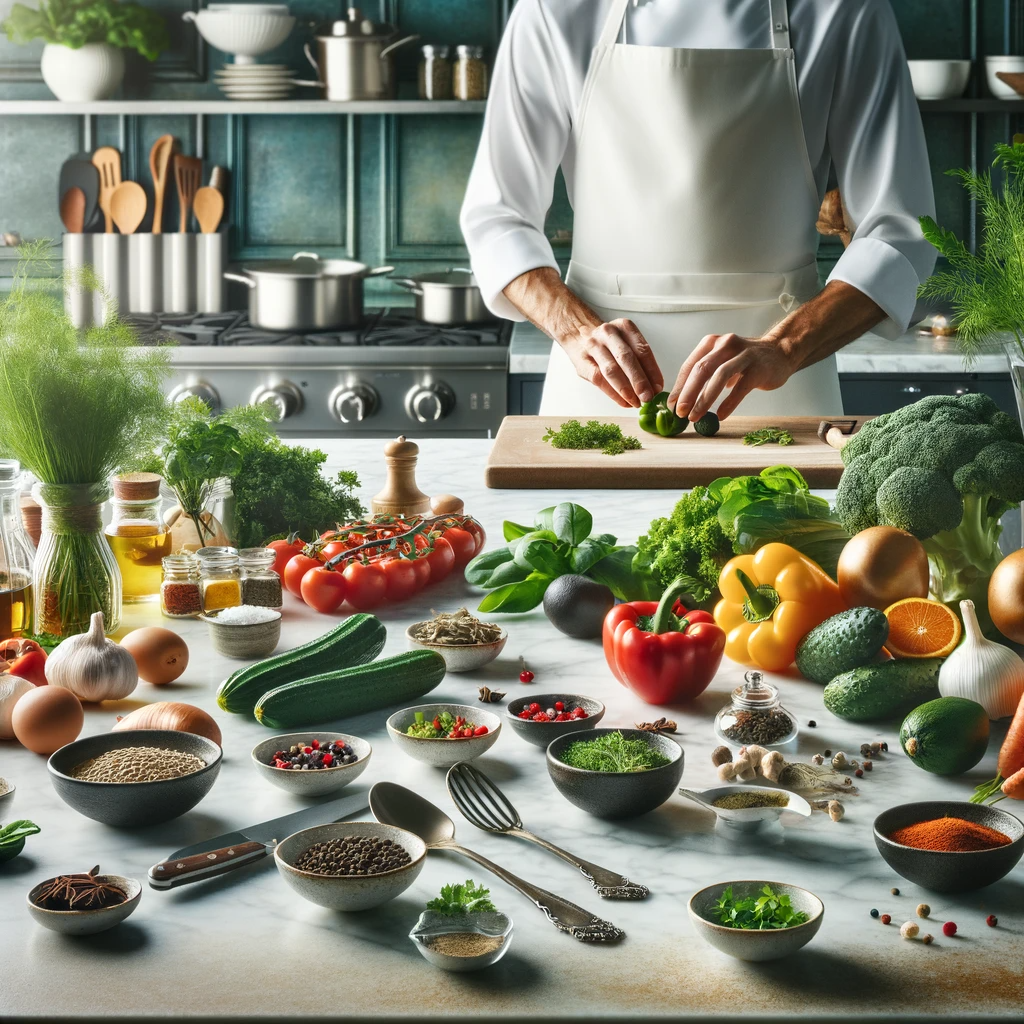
(43, 108)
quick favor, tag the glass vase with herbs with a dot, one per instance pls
(74, 410)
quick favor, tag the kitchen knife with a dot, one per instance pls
(233, 849)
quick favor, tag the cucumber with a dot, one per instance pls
(948, 736)
(878, 692)
(351, 691)
(357, 640)
(841, 643)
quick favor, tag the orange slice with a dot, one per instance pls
(919, 628)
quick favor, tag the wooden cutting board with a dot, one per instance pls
(520, 458)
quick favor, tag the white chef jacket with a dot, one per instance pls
(858, 110)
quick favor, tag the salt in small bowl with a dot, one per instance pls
(245, 641)
(432, 924)
(87, 922)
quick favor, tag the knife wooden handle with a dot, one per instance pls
(171, 873)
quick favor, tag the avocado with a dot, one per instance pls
(576, 605)
(843, 642)
(948, 736)
(879, 692)
(707, 425)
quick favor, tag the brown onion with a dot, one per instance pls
(166, 714)
(1006, 596)
(880, 566)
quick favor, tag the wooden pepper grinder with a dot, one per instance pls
(400, 496)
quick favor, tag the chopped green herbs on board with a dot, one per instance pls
(770, 910)
(613, 753)
(767, 435)
(608, 437)
(462, 898)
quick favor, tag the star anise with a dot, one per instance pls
(658, 725)
(78, 892)
(489, 696)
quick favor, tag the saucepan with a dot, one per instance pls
(447, 297)
(305, 293)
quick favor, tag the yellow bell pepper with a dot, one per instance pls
(770, 601)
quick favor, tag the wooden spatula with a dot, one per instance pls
(159, 167)
(188, 173)
(209, 209)
(107, 161)
(72, 210)
(128, 206)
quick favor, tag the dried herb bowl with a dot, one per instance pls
(87, 922)
(955, 871)
(459, 657)
(314, 782)
(134, 804)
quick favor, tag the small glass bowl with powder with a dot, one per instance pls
(462, 942)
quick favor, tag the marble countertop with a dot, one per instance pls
(913, 353)
(246, 946)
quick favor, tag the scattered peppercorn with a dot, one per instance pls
(874, 912)
(812, 724)
(923, 910)
(886, 919)
(895, 892)
(526, 676)
(885, 746)
(949, 929)
(867, 766)
(828, 753)
(927, 940)
(859, 773)
(909, 930)
(991, 920)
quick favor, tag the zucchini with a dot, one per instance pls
(351, 691)
(355, 641)
(844, 642)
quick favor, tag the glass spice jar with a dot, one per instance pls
(469, 77)
(180, 597)
(137, 535)
(756, 715)
(220, 578)
(435, 74)
(260, 584)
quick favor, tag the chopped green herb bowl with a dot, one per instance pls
(612, 794)
(753, 943)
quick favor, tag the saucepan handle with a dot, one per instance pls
(306, 256)
(395, 45)
(240, 278)
(189, 16)
(377, 271)
(408, 282)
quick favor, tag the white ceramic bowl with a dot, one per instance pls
(88, 922)
(442, 753)
(349, 892)
(244, 32)
(244, 641)
(999, 89)
(318, 782)
(6, 798)
(465, 658)
(939, 79)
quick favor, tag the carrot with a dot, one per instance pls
(1013, 787)
(1010, 765)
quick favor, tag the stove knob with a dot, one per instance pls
(284, 398)
(353, 404)
(197, 389)
(428, 403)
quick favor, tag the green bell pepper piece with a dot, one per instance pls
(657, 418)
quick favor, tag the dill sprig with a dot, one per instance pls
(767, 435)
(607, 437)
(613, 753)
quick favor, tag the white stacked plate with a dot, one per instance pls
(255, 81)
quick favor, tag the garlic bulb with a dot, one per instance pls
(12, 689)
(91, 666)
(983, 671)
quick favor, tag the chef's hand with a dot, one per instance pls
(617, 360)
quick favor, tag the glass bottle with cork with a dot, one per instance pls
(756, 715)
(220, 578)
(180, 596)
(16, 556)
(260, 584)
(137, 535)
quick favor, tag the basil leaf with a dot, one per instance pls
(509, 572)
(542, 556)
(512, 530)
(584, 556)
(545, 518)
(616, 571)
(572, 523)
(479, 570)
(514, 545)
(517, 597)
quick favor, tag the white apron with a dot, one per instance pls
(694, 208)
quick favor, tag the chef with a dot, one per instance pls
(696, 138)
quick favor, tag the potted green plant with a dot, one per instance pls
(83, 58)
(986, 287)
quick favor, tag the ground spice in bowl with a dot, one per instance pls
(137, 764)
(465, 944)
(949, 835)
(747, 800)
(353, 855)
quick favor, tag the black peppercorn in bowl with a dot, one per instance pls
(316, 779)
(385, 874)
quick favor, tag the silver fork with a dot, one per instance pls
(484, 805)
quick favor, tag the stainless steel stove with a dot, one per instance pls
(389, 375)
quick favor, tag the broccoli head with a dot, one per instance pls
(944, 469)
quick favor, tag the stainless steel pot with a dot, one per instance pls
(305, 293)
(353, 58)
(447, 297)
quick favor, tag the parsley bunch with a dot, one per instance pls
(770, 910)
(767, 435)
(591, 435)
(462, 898)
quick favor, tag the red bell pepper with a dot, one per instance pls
(25, 659)
(662, 657)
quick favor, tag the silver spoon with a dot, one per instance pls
(392, 804)
(483, 804)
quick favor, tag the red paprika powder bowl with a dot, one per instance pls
(948, 870)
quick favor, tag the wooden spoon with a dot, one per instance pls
(209, 209)
(107, 161)
(159, 165)
(72, 210)
(188, 173)
(128, 206)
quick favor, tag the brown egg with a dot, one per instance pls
(1005, 597)
(47, 718)
(880, 566)
(160, 655)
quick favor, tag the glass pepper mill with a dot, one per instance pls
(756, 715)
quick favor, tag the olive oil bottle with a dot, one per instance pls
(16, 556)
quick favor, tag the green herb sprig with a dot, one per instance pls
(613, 753)
(770, 910)
(462, 898)
(608, 437)
(767, 435)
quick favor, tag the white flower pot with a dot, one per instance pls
(92, 72)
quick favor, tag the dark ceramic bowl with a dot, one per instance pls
(949, 872)
(616, 794)
(540, 734)
(134, 804)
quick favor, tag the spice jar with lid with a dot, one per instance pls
(137, 535)
(220, 578)
(260, 584)
(469, 77)
(756, 715)
(435, 76)
(180, 597)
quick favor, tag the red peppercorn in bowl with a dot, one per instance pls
(540, 719)
(318, 779)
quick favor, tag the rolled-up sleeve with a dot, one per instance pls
(525, 131)
(877, 144)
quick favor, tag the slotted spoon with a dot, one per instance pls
(483, 804)
(188, 173)
(107, 161)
